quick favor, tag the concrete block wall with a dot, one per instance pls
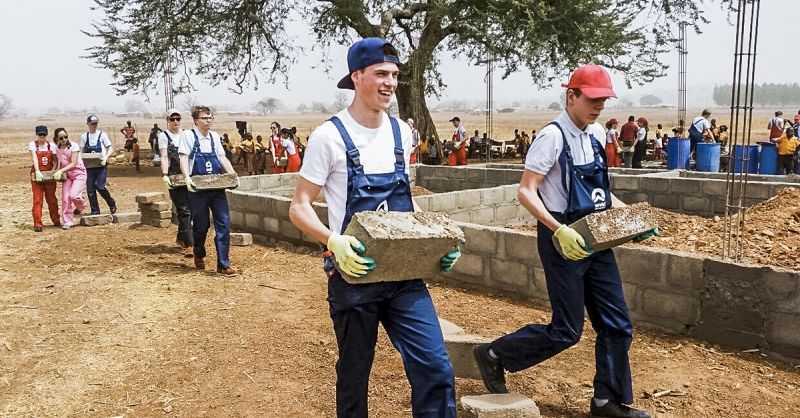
(724, 303)
(489, 206)
(441, 179)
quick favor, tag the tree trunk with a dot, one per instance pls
(411, 100)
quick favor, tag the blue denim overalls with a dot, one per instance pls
(404, 308)
(201, 201)
(96, 178)
(593, 282)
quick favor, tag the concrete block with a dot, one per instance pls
(616, 226)
(91, 159)
(510, 193)
(701, 205)
(510, 275)
(282, 205)
(248, 183)
(210, 181)
(95, 220)
(687, 186)
(252, 221)
(241, 239)
(445, 202)
(521, 246)
(666, 200)
(460, 349)
(780, 289)
(449, 327)
(495, 177)
(479, 240)
(321, 210)
(470, 265)
(158, 223)
(157, 214)
(631, 292)
(458, 173)
(783, 334)
(758, 190)
(405, 245)
(468, 199)
(237, 219)
(512, 176)
(655, 184)
(681, 308)
(126, 217)
(268, 182)
(506, 212)
(684, 271)
(287, 229)
(642, 266)
(505, 405)
(423, 202)
(151, 197)
(476, 174)
(47, 177)
(271, 225)
(460, 216)
(156, 206)
(483, 216)
(624, 183)
(493, 196)
(714, 187)
(540, 283)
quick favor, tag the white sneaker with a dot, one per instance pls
(66, 226)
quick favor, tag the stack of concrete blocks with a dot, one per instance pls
(405, 245)
(156, 209)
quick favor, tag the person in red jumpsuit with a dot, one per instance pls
(43, 154)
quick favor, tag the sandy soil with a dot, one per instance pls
(112, 321)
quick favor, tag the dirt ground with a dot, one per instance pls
(112, 321)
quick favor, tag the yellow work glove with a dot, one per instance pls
(103, 161)
(57, 175)
(571, 243)
(38, 176)
(167, 181)
(347, 250)
(190, 184)
(619, 150)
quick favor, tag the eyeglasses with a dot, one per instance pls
(206, 118)
(273, 127)
(175, 119)
(62, 137)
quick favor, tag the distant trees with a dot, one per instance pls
(554, 106)
(339, 101)
(764, 95)
(132, 105)
(302, 108)
(267, 105)
(650, 100)
(5, 105)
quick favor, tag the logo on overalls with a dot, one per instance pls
(599, 198)
(45, 160)
(383, 207)
(209, 168)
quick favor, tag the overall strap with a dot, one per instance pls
(169, 138)
(566, 161)
(353, 156)
(196, 147)
(399, 154)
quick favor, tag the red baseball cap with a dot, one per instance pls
(593, 80)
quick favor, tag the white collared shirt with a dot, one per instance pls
(542, 157)
(186, 144)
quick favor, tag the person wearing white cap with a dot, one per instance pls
(565, 179)
(168, 141)
(94, 141)
(414, 141)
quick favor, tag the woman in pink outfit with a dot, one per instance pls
(74, 177)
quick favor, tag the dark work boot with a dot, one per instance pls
(615, 410)
(492, 371)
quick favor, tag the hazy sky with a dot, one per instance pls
(42, 45)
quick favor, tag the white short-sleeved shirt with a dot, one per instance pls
(641, 134)
(93, 138)
(186, 144)
(48, 146)
(162, 138)
(288, 145)
(460, 133)
(659, 142)
(701, 124)
(325, 161)
(543, 156)
(610, 135)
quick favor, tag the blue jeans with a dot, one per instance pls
(406, 311)
(96, 183)
(199, 204)
(595, 283)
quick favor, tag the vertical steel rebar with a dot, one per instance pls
(683, 51)
(490, 109)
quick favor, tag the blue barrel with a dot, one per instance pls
(768, 158)
(752, 165)
(707, 156)
(678, 153)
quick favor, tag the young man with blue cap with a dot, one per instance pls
(94, 141)
(565, 179)
(360, 159)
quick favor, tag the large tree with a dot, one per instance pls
(244, 42)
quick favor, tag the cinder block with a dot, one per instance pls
(252, 221)
(479, 240)
(91, 159)
(505, 405)
(209, 181)
(460, 216)
(322, 212)
(616, 226)
(405, 245)
(95, 220)
(287, 229)
(684, 271)
(510, 275)
(282, 205)
(158, 223)
(126, 217)
(666, 201)
(701, 205)
(272, 225)
(156, 214)
(449, 327)
(483, 216)
(460, 349)
(714, 187)
(445, 202)
(423, 202)
(620, 182)
(521, 246)
(471, 265)
(143, 198)
(655, 184)
(681, 308)
(506, 212)
(493, 196)
(47, 177)
(241, 239)
(783, 334)
(468, 199)
(237, 219)
(510, 194)
(687, 186)
(156, 206)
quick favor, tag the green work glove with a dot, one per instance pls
(651, 233)
(167, 181)
(571, 243)
(348, 250)
(190, 184)
(38, 176)
(449, 260)
(57, 175)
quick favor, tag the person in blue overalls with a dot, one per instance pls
(360, 159)
(565, 179)
(171, 165)
(201, 153)
(95, 141)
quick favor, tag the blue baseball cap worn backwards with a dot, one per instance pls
(364, 53)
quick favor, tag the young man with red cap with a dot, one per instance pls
(565, 179)
(360, 159)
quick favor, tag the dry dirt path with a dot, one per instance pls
(111, 321)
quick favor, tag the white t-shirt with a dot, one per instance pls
(93, 138)
(288, 145)
(701, 124)
(659, 142)
(325, 161)
(543, 156)
(32, 147)
(641, 134)
(460, 133)
(186, 144)
(610, 135)
(162, 138)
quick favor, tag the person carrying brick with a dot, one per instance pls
(43, 155)
(458, 156)
(97, 142)
(73, 172)
(168, 142)
(360, 158)
(565, 179)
